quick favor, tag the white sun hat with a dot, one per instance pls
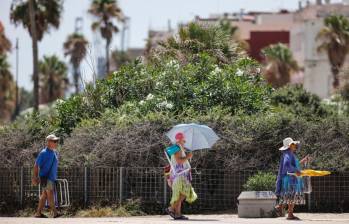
(287, 142)
(52, 137)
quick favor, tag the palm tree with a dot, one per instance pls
(334, 37)
(194, 39)
(5, 44)
(7, 90)
(280, 64)
(53, 80)
(106, 11)
(38, 16)
(76, 47)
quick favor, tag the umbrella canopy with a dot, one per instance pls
(314, 173)
(196, 136)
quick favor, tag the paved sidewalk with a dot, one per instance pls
(207, 219)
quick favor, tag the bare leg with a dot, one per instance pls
(179, 205)
(290, 209)
(174, 206)
(51, 201)
(41, 204)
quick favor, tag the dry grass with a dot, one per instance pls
(105, 212)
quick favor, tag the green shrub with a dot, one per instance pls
(295, 99)
(261, 182)
(72, 111)
(173, 87)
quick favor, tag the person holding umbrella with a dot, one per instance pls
(189, 137)
(180, 178)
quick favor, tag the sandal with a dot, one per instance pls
(181, 217)
(40, 216)
(278, 211)
(170, 213)
(293, 218)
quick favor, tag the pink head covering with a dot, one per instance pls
(179, 136)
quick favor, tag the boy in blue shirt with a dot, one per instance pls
(45, 173)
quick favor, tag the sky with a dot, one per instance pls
(144, 14)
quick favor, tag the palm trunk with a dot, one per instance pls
(335, 73)
(107, 56)
(284, 76)
(50, 88)
(35, 54)
(76, 78)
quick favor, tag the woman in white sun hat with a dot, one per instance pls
(289, 184)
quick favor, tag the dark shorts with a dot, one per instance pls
(49, 186)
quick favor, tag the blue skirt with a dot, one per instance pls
(292, 191)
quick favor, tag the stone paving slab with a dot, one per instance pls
(204, 219)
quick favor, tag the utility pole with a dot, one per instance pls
(17, 93)
(125, 27)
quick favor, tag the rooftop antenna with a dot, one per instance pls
(78, 24)
(169, 25)
(307, 3)
(124, 32)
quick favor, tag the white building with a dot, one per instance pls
(303, 26)
(317, 75)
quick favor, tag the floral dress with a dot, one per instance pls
(181, 181)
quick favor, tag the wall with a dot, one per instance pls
(261, 39)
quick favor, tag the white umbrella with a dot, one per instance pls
(196, 136)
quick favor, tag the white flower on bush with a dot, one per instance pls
(142, 102)
(162, 104)
(169, 106)
(173, 64)
(239, 72)
(165, 104)
(59, 101)
(150, 96)
(216, 71)
(143, 72)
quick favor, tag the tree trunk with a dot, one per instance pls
(50, 88)
(35, 54)
(107, 56)
(76, 78)
(335, 72)
(284, 75)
